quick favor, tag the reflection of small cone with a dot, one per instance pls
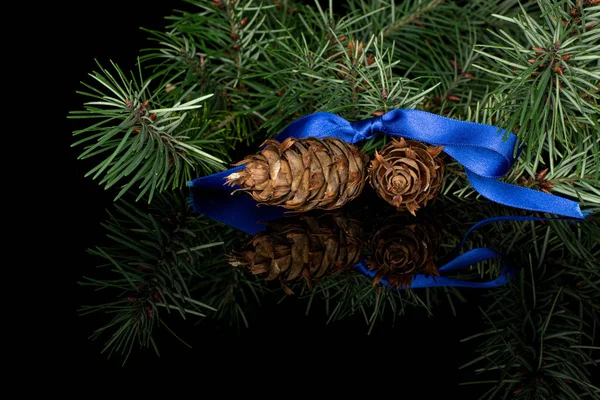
(304, 247)
(407, 174)
(401, 250)
(303, 174)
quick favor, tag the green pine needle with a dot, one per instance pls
(139, 143)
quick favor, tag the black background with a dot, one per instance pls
(283, 346)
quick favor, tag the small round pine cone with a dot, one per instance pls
(401, 250)
(303, 174)
(302, 247)
(407, 174)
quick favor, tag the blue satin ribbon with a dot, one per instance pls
(480, 148)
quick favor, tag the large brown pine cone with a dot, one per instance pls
(302, 247)
(401, 250)
(407, 173)
(303, 174)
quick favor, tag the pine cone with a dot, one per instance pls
(304, 247)
(401, 250)
(407, 174)
(303, 174)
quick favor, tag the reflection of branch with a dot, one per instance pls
(411, 17)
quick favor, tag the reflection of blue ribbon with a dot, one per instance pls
(479, 148)
(461, 262)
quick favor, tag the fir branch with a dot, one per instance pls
(576, 175)
(548, 79)
(268, 64)
(434, 42)
(548, 356)
(338, 74)
(143, 141)
(153, 264)
(541, 328)
(349, 294)
(219, 48)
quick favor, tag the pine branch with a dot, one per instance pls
(143, 142)
(542, 351)
(218, 44)
(540, 341)
(153, 264)
(220, 48)
(434, 42)
(548, 80)
(531, 69)
(338, 74)
(353, 294)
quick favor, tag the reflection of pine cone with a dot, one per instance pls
(302, 174)
(401, 250)
(304, 246)
(407, 174)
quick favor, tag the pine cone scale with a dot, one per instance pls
(296, 168)
(300, 191)
(341, 162)
(316, 181)
(274, 271)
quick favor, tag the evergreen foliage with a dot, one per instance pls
(225, 75)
